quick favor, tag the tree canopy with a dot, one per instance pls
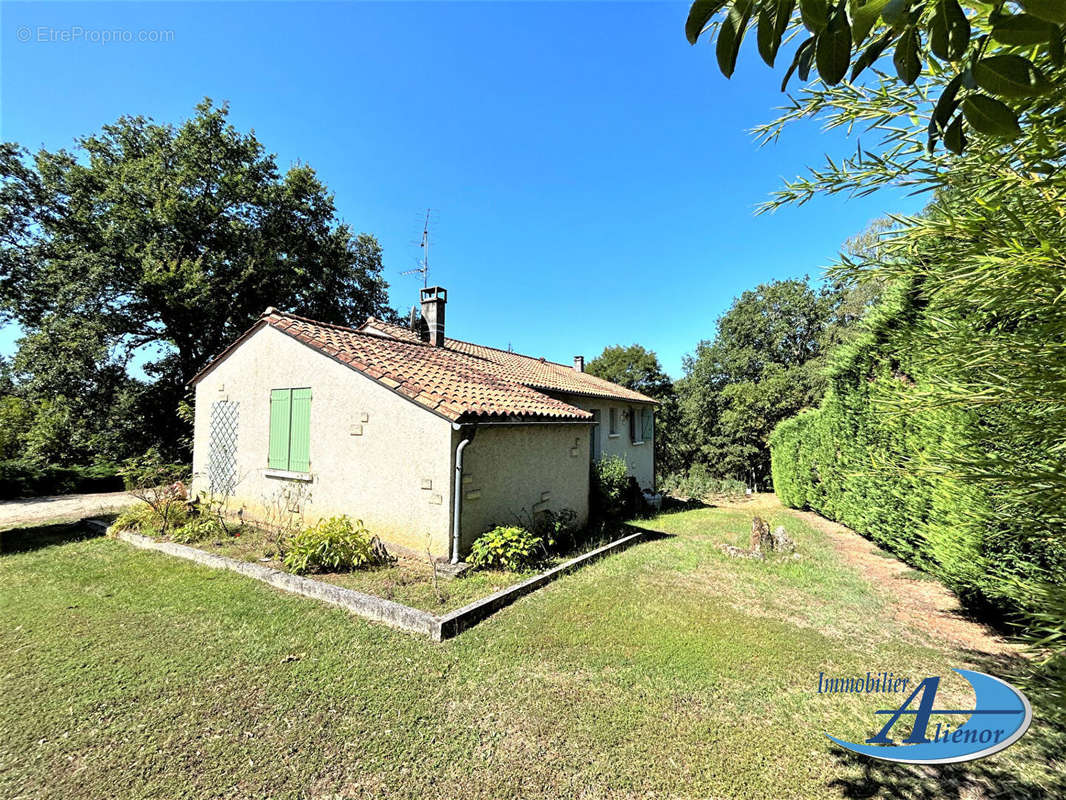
(996, 64)
(638, 368)
(633, 367)
(167, 241)
(764, 364)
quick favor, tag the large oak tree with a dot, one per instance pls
(168, 240)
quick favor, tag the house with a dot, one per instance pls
(429, 440)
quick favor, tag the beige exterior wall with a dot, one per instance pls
(374, 455)
(640, 458)
(511, 472)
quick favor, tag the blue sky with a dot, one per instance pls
(591, 173)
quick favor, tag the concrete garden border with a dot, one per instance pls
(370, 606)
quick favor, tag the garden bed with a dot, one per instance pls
(403, 592)
(406, 580)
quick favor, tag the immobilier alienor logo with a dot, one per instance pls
(1001, 714)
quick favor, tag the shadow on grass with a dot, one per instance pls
(24, 540)
(972, 779)
(1044, 743)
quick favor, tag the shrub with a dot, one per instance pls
(698, 483)
(906, 480)
(557, 530)
(510, 548)
(332, 545)
(610, 487)
(200, 528)
(144, 519)
(159, 484)
(23, 479)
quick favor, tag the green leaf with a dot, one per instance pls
(804, 69)
(949, 30)
(958, 29)
(954, 138)
(908, 65)
(990, 116)
(872, 53)
(815, 14)
(699, 14)
(782, 17)
(1050, 10)
(947, 102)
(1010, 76)
(946, 105)
(863, 17)
(801, 52)
(833, 50)
(896, 13)
(765, 37)
(1022, 29)
(1055, 49)
(731, 35)
(938, 33)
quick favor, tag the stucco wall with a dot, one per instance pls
(640, 458)
(373, 453)
(510, 472)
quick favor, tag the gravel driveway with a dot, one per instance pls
(36, 510)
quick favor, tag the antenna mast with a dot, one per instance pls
(423, 264)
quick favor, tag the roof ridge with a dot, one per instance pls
(346, 328)
(539, 359)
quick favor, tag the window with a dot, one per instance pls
(613, 419)
(290, 430)
(641, 421)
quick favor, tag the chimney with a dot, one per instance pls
(433, 300)
(579, 363)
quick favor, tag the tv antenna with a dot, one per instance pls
(423, 262)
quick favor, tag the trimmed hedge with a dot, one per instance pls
(19, 479)
(862, 460)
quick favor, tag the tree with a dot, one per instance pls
(638, 368)
(167, 240)
(635, 368)
(994, 62)
(763, 366)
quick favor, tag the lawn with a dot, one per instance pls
(667, 670)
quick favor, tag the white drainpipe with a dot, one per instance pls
(457, 499)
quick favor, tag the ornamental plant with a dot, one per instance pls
(331, 545)
(510, 548)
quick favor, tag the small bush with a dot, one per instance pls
(698, 482)
(510, 548)
(610, 487)
(332, 545)
(200, 528)
(144, 519)
(557, 530)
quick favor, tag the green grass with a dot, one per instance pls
(667, 670)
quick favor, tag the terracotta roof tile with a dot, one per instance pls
(458, 381)
(454, 384)
(536, 373)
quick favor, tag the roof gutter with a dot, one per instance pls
(457, 497)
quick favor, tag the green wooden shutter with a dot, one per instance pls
(647, 418)
(280, 412)
(300, 431)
